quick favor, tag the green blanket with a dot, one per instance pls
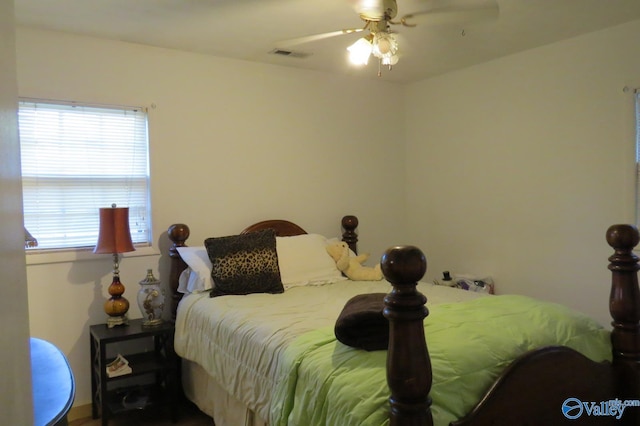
(469, 343)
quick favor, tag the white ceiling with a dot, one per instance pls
(250, 29)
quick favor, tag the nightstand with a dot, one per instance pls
(153, 381)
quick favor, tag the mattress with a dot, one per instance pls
(277, 355)
(240, 340)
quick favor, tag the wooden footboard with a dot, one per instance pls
(538, 386)
(624, 305)
(408, 364)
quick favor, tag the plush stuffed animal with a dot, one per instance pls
(351, 266)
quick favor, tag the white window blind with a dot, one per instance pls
(76, 159)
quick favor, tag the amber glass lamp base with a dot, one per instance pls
(117, 306)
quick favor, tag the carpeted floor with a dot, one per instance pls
(188, 415)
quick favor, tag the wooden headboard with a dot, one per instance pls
(179, 233)
(283, 228)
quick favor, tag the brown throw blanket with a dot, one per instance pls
(361, 323)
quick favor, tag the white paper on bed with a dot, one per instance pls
(239, 340)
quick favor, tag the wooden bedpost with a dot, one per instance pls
(408, 365)
(178, 234)
(349, 236)
(624, 305)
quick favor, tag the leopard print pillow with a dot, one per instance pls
(244, 264)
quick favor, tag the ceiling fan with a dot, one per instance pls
(380, 15)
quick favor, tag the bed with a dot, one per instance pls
(258, 359)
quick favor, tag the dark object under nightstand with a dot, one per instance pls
(153, 380)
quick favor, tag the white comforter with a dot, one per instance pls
(239, 340)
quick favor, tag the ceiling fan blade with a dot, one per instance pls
(316, 37)
(454, 13)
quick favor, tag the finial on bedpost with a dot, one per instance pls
(349, 236)
(408, 365)
(624, 305)
(178, 233)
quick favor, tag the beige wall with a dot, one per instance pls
(15, 384)
(517, 167)
(231, 143)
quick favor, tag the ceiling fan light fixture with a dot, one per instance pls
(391, 60)
(385, 45)
(360, 51)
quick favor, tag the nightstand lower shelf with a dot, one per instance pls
(134, 398)
(153, 377)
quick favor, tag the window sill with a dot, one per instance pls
(45, 257)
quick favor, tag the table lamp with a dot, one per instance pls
(114, 237)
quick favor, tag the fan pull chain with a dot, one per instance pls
(380, 67)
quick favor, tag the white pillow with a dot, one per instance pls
(198, 276)
(304, 260)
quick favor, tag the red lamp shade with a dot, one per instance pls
(114, 235)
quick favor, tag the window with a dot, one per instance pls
(76, 159)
